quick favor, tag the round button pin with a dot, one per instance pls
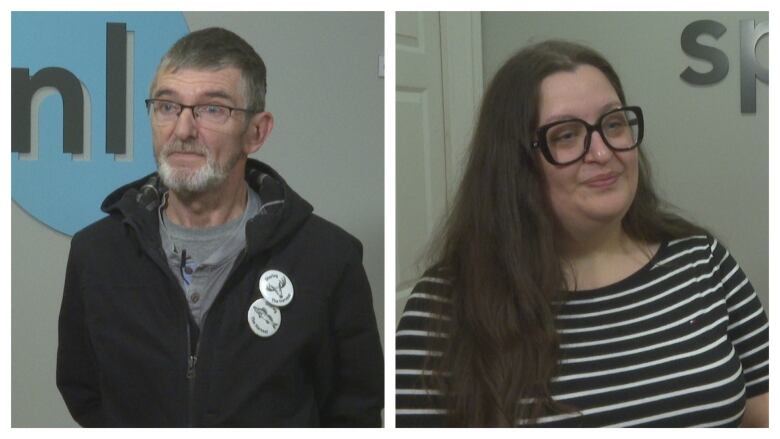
(264, 319)
(276, 288)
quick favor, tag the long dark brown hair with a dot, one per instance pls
(499, 248)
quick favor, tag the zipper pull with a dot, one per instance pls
(191, 367)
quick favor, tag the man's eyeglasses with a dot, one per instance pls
(566, 141)
(165, 112)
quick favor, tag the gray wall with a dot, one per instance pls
(328, 102)
(709, 160)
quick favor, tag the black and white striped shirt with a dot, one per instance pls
(682, 342)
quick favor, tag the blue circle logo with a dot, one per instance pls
(79, 127)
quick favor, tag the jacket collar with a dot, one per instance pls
(283, 210)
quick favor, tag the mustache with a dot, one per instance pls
(184, 147)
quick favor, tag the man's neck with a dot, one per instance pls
(208, 209)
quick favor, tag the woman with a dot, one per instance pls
(562, 293)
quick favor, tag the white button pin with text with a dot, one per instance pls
(276, 288)
(263, 318)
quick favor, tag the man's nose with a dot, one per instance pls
(186, 125)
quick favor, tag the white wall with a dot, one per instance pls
(709, 160)
(328, 142)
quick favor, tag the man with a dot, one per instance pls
(211, 295)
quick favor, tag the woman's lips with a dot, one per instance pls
(602, 180)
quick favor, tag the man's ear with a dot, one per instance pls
(260, 126)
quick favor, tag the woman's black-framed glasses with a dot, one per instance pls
(566, 141)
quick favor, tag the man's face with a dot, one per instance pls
(194, 156)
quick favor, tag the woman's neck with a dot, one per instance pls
(602, 257)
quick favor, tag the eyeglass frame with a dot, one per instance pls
(183, 107)
(541, 134)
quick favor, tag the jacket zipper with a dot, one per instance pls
(192, 354)
(158, 256)
(192, 362)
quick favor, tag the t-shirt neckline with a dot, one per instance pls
(632, 279)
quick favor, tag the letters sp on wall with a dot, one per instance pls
(750, 69)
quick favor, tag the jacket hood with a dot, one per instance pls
(283, 211)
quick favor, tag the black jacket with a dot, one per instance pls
(126, 335)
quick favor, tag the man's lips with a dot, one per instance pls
(188, 154)
(181, 158)
(184, 152)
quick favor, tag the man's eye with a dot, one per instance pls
(213, 109)
(166, 107)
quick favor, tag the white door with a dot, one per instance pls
(421, 182)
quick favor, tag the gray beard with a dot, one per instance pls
(203, 179)
(185, 181)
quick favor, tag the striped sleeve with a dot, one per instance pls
(748, 327)
(421, 334)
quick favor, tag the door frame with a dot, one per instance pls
(461, 52)
(460, 35)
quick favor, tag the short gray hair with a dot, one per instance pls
(216, 48)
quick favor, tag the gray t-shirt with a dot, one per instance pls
(201, 259)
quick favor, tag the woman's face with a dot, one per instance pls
(599, 188)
